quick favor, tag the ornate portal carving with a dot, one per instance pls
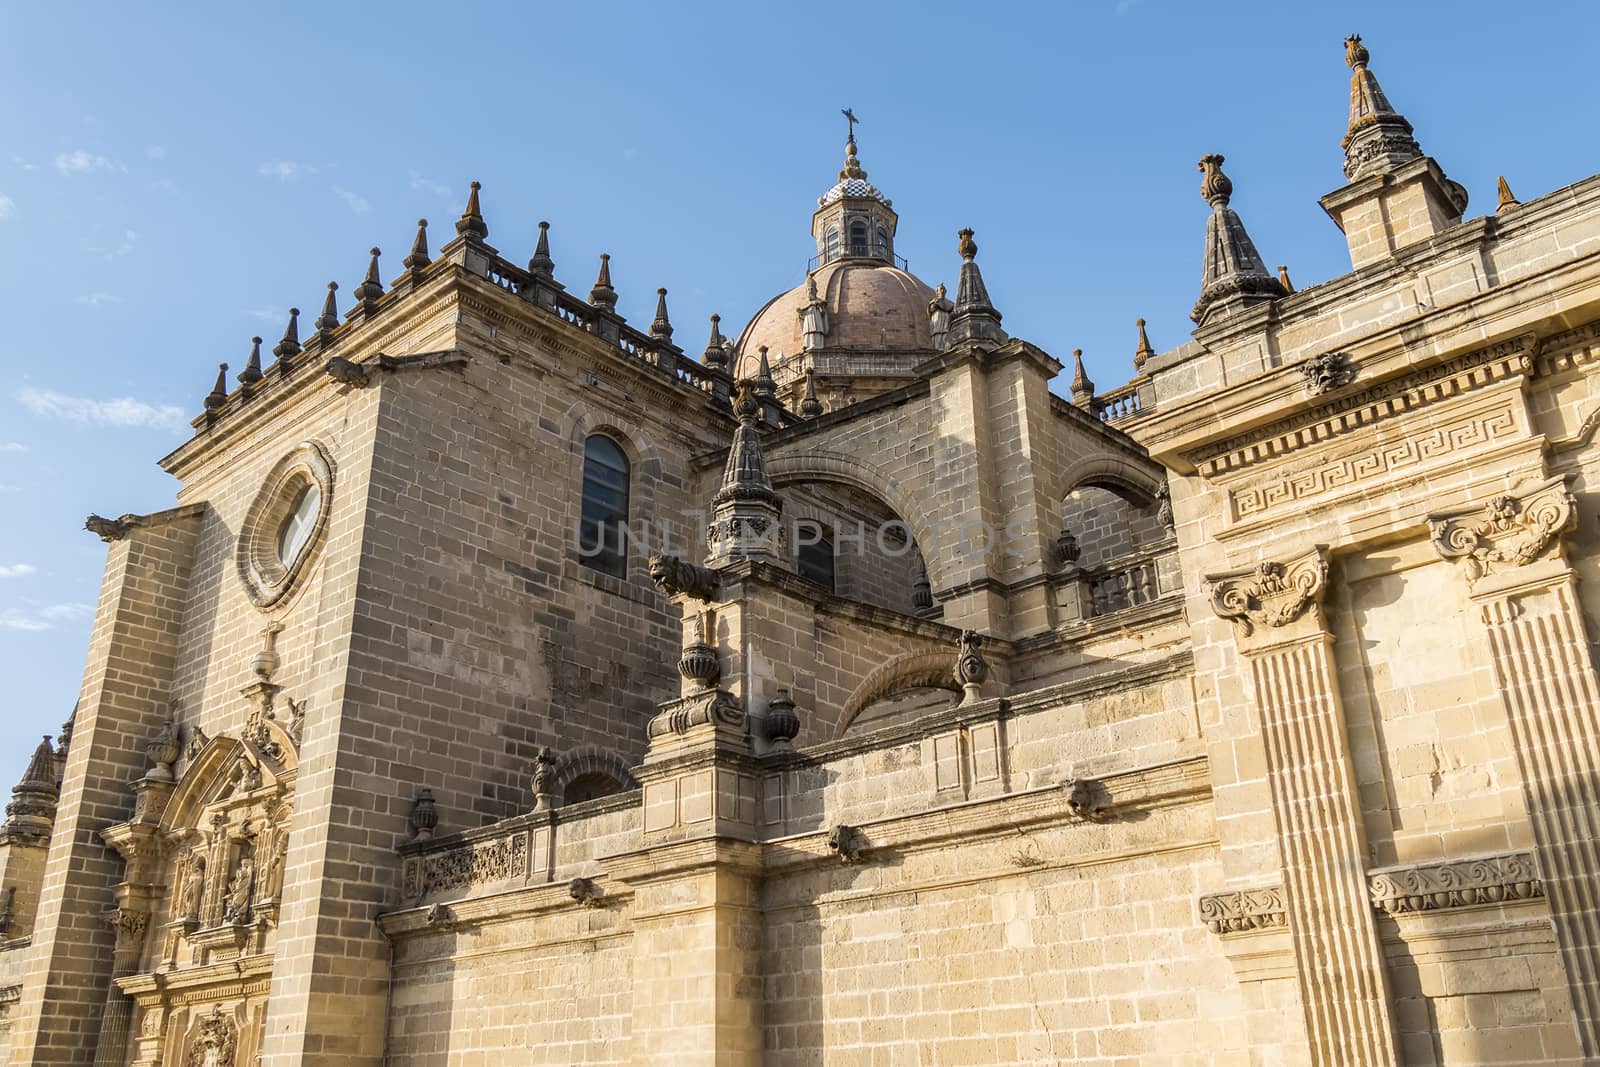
(215, 1042)
(1507, 532)
(1270, 594)
(1244, 910)
(1489, 880)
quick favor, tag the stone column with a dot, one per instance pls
(111, 1046)
(1512, 555)
(1285, 649)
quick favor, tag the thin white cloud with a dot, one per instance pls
(9, 488)
(419, 184)
(123, 247)
(8, 207)
(17, 570)
(286, 169)
(97, 299)
(15, 621)
(355, 201)
(155, 151)
(81, 162)
(124, 411)
(12, 446)
(23, 164)
(69, 612)
(268, 314)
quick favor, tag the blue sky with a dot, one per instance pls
(173, 177)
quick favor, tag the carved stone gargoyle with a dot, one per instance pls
(848, 841)
(676, 576)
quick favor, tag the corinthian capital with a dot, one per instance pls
(1510, 531)
(1270, 594)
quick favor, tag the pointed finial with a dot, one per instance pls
(219, 392)
(661, 326)
(252, 368)
(975, 318)
(1378, 137)
(1283, 278)
(471, 223)
(716, 354)
(289, 347)
(1355, 53)
(329, 319)
(541, 263)
(1082, 387)
(967, 247)
(763, 383)
(32, 810)
(852, 165)
(603, 295)
(810, 407)
(1507, 198)
(419, 248)
(1143, 353)
(1215, 187)
(371, 287)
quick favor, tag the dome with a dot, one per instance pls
(871, 305)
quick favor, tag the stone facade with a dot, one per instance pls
(1245, 713)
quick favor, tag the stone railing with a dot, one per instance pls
(1131, 581)
(1123, 402)
(636, 344)
(465, 865)
(1462, 883)
(1244, 910)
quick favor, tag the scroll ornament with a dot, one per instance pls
(1244, 910)
(1271, 594)
(1507, 532)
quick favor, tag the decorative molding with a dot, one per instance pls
(1245, 910)
(1569, 350)
(1316, 427)
(709, 706)
(1270, 594)
(1376, 462)
(464, 866)
(1328, 371)
(1459, 884)
(1509, 531)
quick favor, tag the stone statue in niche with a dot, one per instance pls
(236, 906)
(192, 889)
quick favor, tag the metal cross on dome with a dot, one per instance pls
(850, 116)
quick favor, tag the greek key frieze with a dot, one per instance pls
(1488, 880)
(464, 866)
(1292, 487)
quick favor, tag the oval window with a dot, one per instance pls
(301, 523)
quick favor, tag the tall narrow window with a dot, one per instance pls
(830, 244)
(814, 554)
(858, 238)
(883, 243)
(603, 527)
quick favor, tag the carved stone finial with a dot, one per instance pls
(32, 811)
(1270, 594)
(1232, 271)
(543, 780)
(329, 319)
(700, 663)
(974, 318)
(252, 367)
(219, 392)
(1378, 138)
(746, 510)
(371, 287)
(1068, 551)
(716, 353)
(471, 224)
(289, 347)
(163, 750)
(661, 325)
(1507, 199)
(603, 296)
(1142, 354)
(762, 383)
(1355, 53)
(1215, 186)
(782, 722)
(971, 667)
(1508, 532)
(1082, 387)
(424, 815)
(418, 258)
(267, 660)
(921, 588)
(810, 406)
(675, 576)
(541, 263)
(1283, 278)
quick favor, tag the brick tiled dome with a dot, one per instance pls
(871, 306)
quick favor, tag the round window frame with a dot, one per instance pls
(267, 579)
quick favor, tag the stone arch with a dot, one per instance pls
(1123, 475)
(930, 669)
(593, 760)
(818, 465)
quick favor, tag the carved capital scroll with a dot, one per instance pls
(1510, 531)
(1270, 594)
(1244, 910)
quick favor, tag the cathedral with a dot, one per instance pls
(514, 684)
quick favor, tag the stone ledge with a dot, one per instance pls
(1477, 881)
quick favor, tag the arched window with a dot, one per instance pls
(830, 244)
(883, 243)
(858, 238)
(602, 528)
(590, 786)
(814, 554)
